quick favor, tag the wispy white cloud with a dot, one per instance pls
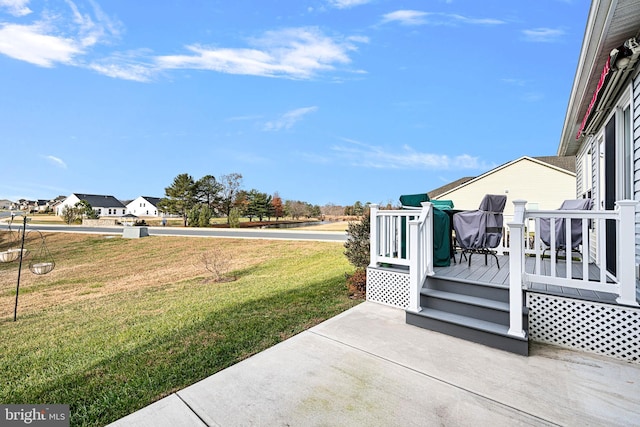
(370, 156)
(475, 21)
(243, 118)
(288, 119)
(56, 161)
(293, 53)
(346, 4)
(515, 81)
(56, 38)
(417, 17)
(315, 158)
(406, 17)
(533, 96)
(135, 72)
(132, 65)
(15, 7)
(90, 30)
(543, 35)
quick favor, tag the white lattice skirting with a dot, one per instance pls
(388, 287)
(589, 326)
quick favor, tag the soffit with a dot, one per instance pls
(609, 25)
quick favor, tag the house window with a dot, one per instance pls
(109, 211)
(99, 211)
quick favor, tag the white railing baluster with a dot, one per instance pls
(538, 246)
(552, 227)
(585, 250)
(568, 254)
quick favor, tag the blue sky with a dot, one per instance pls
(325, 101)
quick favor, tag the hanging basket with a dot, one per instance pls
(12, 254)
(42, 261)
(42, 267)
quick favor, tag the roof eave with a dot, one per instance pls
(610, 24)
(597, 23)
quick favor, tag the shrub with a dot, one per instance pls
(234, 218)
(357, 283)
(357, 252)
(357, 245)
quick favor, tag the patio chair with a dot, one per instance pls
(560, 229)
(480, 231)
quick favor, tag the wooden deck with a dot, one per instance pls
(490, 273)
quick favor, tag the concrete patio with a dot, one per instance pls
(366, 366)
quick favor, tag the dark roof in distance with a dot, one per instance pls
(153, 200)
(99, 201)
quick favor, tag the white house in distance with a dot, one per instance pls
(545, 182)
(106, 206)
(144, 206)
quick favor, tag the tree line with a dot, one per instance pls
(198, 201)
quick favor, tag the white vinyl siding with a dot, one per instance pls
(635, 107)
(586, 172)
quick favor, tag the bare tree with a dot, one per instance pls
(230, 185)
(217, 263)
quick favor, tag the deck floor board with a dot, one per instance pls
(490, 273)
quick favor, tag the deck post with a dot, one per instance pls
(373, 235)
(420, 254)
(627, 253)
(428, 244)
(414, 267)
(516, 269)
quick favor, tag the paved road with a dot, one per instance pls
(290, 234)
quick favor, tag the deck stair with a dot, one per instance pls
(469, 309)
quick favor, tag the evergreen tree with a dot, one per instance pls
(180, 197)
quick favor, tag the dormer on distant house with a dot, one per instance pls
(105, 206)
(144, 206)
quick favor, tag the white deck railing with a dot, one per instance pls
(621, 283)
(404, 238)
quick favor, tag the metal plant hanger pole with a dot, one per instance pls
(41, 262)
(24, 233)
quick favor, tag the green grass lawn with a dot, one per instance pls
(111, 333)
